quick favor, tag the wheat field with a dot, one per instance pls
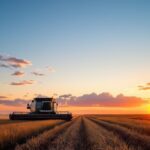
(86, 132)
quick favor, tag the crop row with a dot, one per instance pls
(84, 132)
(65, 135)
(142, 127)
(18, 132)
(130, 137)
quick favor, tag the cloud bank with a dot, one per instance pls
(87, 100)
(101, 100)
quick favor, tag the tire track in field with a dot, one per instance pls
(133, 127)
(73, 138)
(70, 138)
(34, 140)
(11, 144)
(48, 139)
(101, 139)
(133, 139)
(83, 142)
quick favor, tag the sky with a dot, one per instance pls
(82, 48)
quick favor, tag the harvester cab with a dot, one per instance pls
(41, 108)
(43, 105)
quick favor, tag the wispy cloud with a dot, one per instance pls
(40, 95)
(24, 82)
(50, 69)
(43, 71)
(26, 95)
(16, 102)
(4, 66)
(13, 62)
(18, 73)
(144, 87)
(3, 97)
(101, 100)
(65, 96)
(37, 73)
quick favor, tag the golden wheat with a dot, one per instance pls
(14, 133)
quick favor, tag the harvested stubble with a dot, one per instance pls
(101, 139)
(142, 127)
(132, 139)
(88, 132)
(80, 134)
(18, 132)
(51, 139)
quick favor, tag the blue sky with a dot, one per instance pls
(94, 46)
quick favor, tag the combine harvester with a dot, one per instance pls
(40, 109)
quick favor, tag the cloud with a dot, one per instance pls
(65, 96)
(38, 74)
(24, 82)
(40, 95)
(16, 102)
(101, 100)
(144, 87)
(50, 69)
(87, 100)
(4, 66)
(26, 95)
(3, 97)
(13, 62)
(18, 73)
(43, 71)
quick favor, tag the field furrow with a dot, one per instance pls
(101, 139)
(135, 126)
(12, 134)
(65, 135)
(132, 139)
(80, 134)
(70, 138)
(86, 132)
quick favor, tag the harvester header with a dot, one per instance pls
(41, 108)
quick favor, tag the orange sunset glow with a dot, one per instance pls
(93, 60)
(74, 74)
